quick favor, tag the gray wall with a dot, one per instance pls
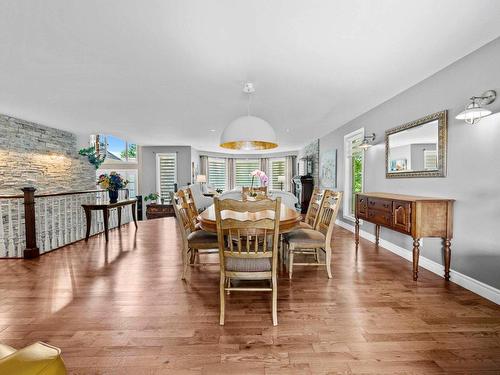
(473, 177)
(147, 166)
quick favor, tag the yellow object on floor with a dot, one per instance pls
(37, 359)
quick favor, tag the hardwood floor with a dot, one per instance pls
(122, 308)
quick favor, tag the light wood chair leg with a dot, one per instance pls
(275, 302)
(290, 264)
(184, 262)
(193, 256)
(228, 285)
(316, 255)
(328, 261)
(222, 299)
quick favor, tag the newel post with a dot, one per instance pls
(31, 250)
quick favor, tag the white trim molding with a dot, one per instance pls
(467, 282)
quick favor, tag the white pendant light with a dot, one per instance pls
(248, 132)
(474, 111)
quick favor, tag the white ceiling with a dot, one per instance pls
(166, 72)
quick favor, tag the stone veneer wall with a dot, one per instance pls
(42, 157)
(312, 151)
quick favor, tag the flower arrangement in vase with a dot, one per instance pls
(264, 180)
(112, 183)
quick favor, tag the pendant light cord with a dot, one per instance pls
(249, 102)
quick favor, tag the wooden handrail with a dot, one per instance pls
(21, 196)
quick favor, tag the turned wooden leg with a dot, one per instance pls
(119, 213)
(133, 215)
(185, 254)
(447, 258)
(356, 232)
(105, 214)
(274, 307)
(88, 217)
(222, 299)
(328, 261)
(377, 234)
(290, 264)
(416, 253)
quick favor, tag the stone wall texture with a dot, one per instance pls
(312, 151)
(42, 157)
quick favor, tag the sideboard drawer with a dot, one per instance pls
(380, 217)
(362, 206)
(380, 204)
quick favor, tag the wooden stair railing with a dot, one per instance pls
(49, 221)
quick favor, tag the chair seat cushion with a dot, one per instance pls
(305, 238)
(304, 225)
(6, 350)
(202, 239)
(248, 264)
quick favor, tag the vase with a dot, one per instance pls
(113, 196)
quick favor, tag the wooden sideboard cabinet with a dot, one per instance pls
(415, 216)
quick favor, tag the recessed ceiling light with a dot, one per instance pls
(287, 130)
(212, 130)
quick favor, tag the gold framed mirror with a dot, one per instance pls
(418, 148)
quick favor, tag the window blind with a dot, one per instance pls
(278, 168)
(217, 173)
(166, 175)
(243, 168)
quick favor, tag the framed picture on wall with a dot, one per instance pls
(328, 169)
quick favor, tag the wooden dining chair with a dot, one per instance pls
(192, 240)
(313, 210)
(261, 192)
(187, 199)
(310, 241)
(248, 235)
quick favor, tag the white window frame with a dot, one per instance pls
(256, 180)
(271, 160)
(158, 156)
(348, 138)
(225, 170)
(93, 142)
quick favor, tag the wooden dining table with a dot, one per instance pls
(289, 218)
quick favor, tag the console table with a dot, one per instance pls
(415, 216)
(105, 207)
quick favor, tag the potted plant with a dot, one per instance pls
(264, 180)
(152, 197)
(112, 183)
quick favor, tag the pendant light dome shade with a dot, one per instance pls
(248, 133)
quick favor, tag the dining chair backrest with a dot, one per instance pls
(330, 205)
(248, 229)
(187, 200)
(261, 192)
(314, 207)
(182, 215)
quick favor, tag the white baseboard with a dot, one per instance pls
(476, 286)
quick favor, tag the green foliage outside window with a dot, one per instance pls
(131, 153)
(357, 176)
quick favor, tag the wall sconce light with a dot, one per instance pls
(474, 111)
(367, 141)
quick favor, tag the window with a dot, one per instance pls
(430, 159)
(217, 173)
(129, 174)
(277, 168)
(354, 170)
(166, 175)
(114, 148)
(243, 168)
